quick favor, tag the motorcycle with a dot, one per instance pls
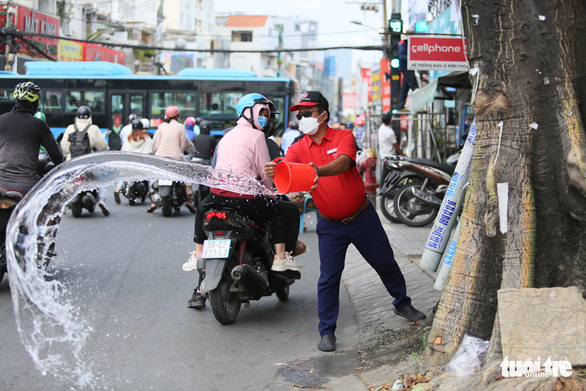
(236, 262)
(135, 191)
(200, 191)
(9, 198)
(417, 202)
(169, 196)
(86, 199)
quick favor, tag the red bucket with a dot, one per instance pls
(291, 177)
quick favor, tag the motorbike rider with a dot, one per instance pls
(204, 143)
(127, 129)
(171, 141)
(21, 136)
(244, 150)
(97, 142)
(137, 141)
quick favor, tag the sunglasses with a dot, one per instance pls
(306, 114)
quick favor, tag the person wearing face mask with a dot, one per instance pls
(243, 151)
(346, 215)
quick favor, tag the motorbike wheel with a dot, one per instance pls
(411, 210)
(76, 209)
(225, 304)
(166, 206)
(283, 293)
(388, 208)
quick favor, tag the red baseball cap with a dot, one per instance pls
(312, 98)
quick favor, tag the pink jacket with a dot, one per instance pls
(171, 140)
(244, 150)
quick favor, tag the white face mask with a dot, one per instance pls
(309, 125)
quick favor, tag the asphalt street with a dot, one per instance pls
(124, 273)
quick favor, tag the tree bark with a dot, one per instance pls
(529, 102)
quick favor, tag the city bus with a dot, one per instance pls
(112, 92)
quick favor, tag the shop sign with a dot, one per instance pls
(70, 51)
(434, 53)
(34, 22)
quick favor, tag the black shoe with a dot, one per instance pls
(191, 208)
(197, 301)
(117, 197)
(151, 209)
(103, 207)
(327, 343)
(410, 313)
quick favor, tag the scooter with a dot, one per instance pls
(135, 191)
(86, 199)
(417, 202)
(236, 262)
(169, 196)
(200, 191)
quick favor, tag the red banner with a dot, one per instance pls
(385, 69)
(94, 52)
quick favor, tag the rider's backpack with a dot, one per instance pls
(79, 142)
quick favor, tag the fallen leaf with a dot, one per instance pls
(437, 340)
(418, 377)
(296, 335)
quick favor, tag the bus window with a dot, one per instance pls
(51, 101)
(185, 101)
(219, 104)
(137, 104)
(93, 99)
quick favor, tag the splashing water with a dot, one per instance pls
(50, 326)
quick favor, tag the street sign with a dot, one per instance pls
(434, 53)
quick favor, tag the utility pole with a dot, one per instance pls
(11, 44)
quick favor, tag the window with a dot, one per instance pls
(241, 36)
(185, 101)
(216, 104)
(51, 101)
(93, 99)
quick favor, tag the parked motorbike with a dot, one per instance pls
(237, 260)
(169, 196)
(417, 202)
(9, 198)
(135, 191)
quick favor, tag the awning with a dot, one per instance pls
(422, 96)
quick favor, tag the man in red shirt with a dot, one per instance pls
(346, 214)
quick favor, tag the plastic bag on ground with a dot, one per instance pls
(468, 358)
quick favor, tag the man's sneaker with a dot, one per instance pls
(410, 313)
(191, 263)
(102, 206)
(117, 197)
(287, 263)
(197, 301)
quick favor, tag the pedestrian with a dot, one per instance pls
(408, 76)
(387, 143)
(346, 215)
(291, 133)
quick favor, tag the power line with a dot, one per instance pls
(20, 34)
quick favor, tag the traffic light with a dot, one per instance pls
(395, 30)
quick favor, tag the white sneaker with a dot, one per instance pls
(191, 263)
(287, 263)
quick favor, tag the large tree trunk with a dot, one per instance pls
(531, 62)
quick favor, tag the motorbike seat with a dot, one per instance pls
(440, 166)
(11, 192)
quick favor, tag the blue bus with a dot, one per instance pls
(112, 92)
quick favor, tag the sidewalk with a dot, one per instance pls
(386, 338)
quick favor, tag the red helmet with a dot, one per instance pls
(172, 112)
(189, 121)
